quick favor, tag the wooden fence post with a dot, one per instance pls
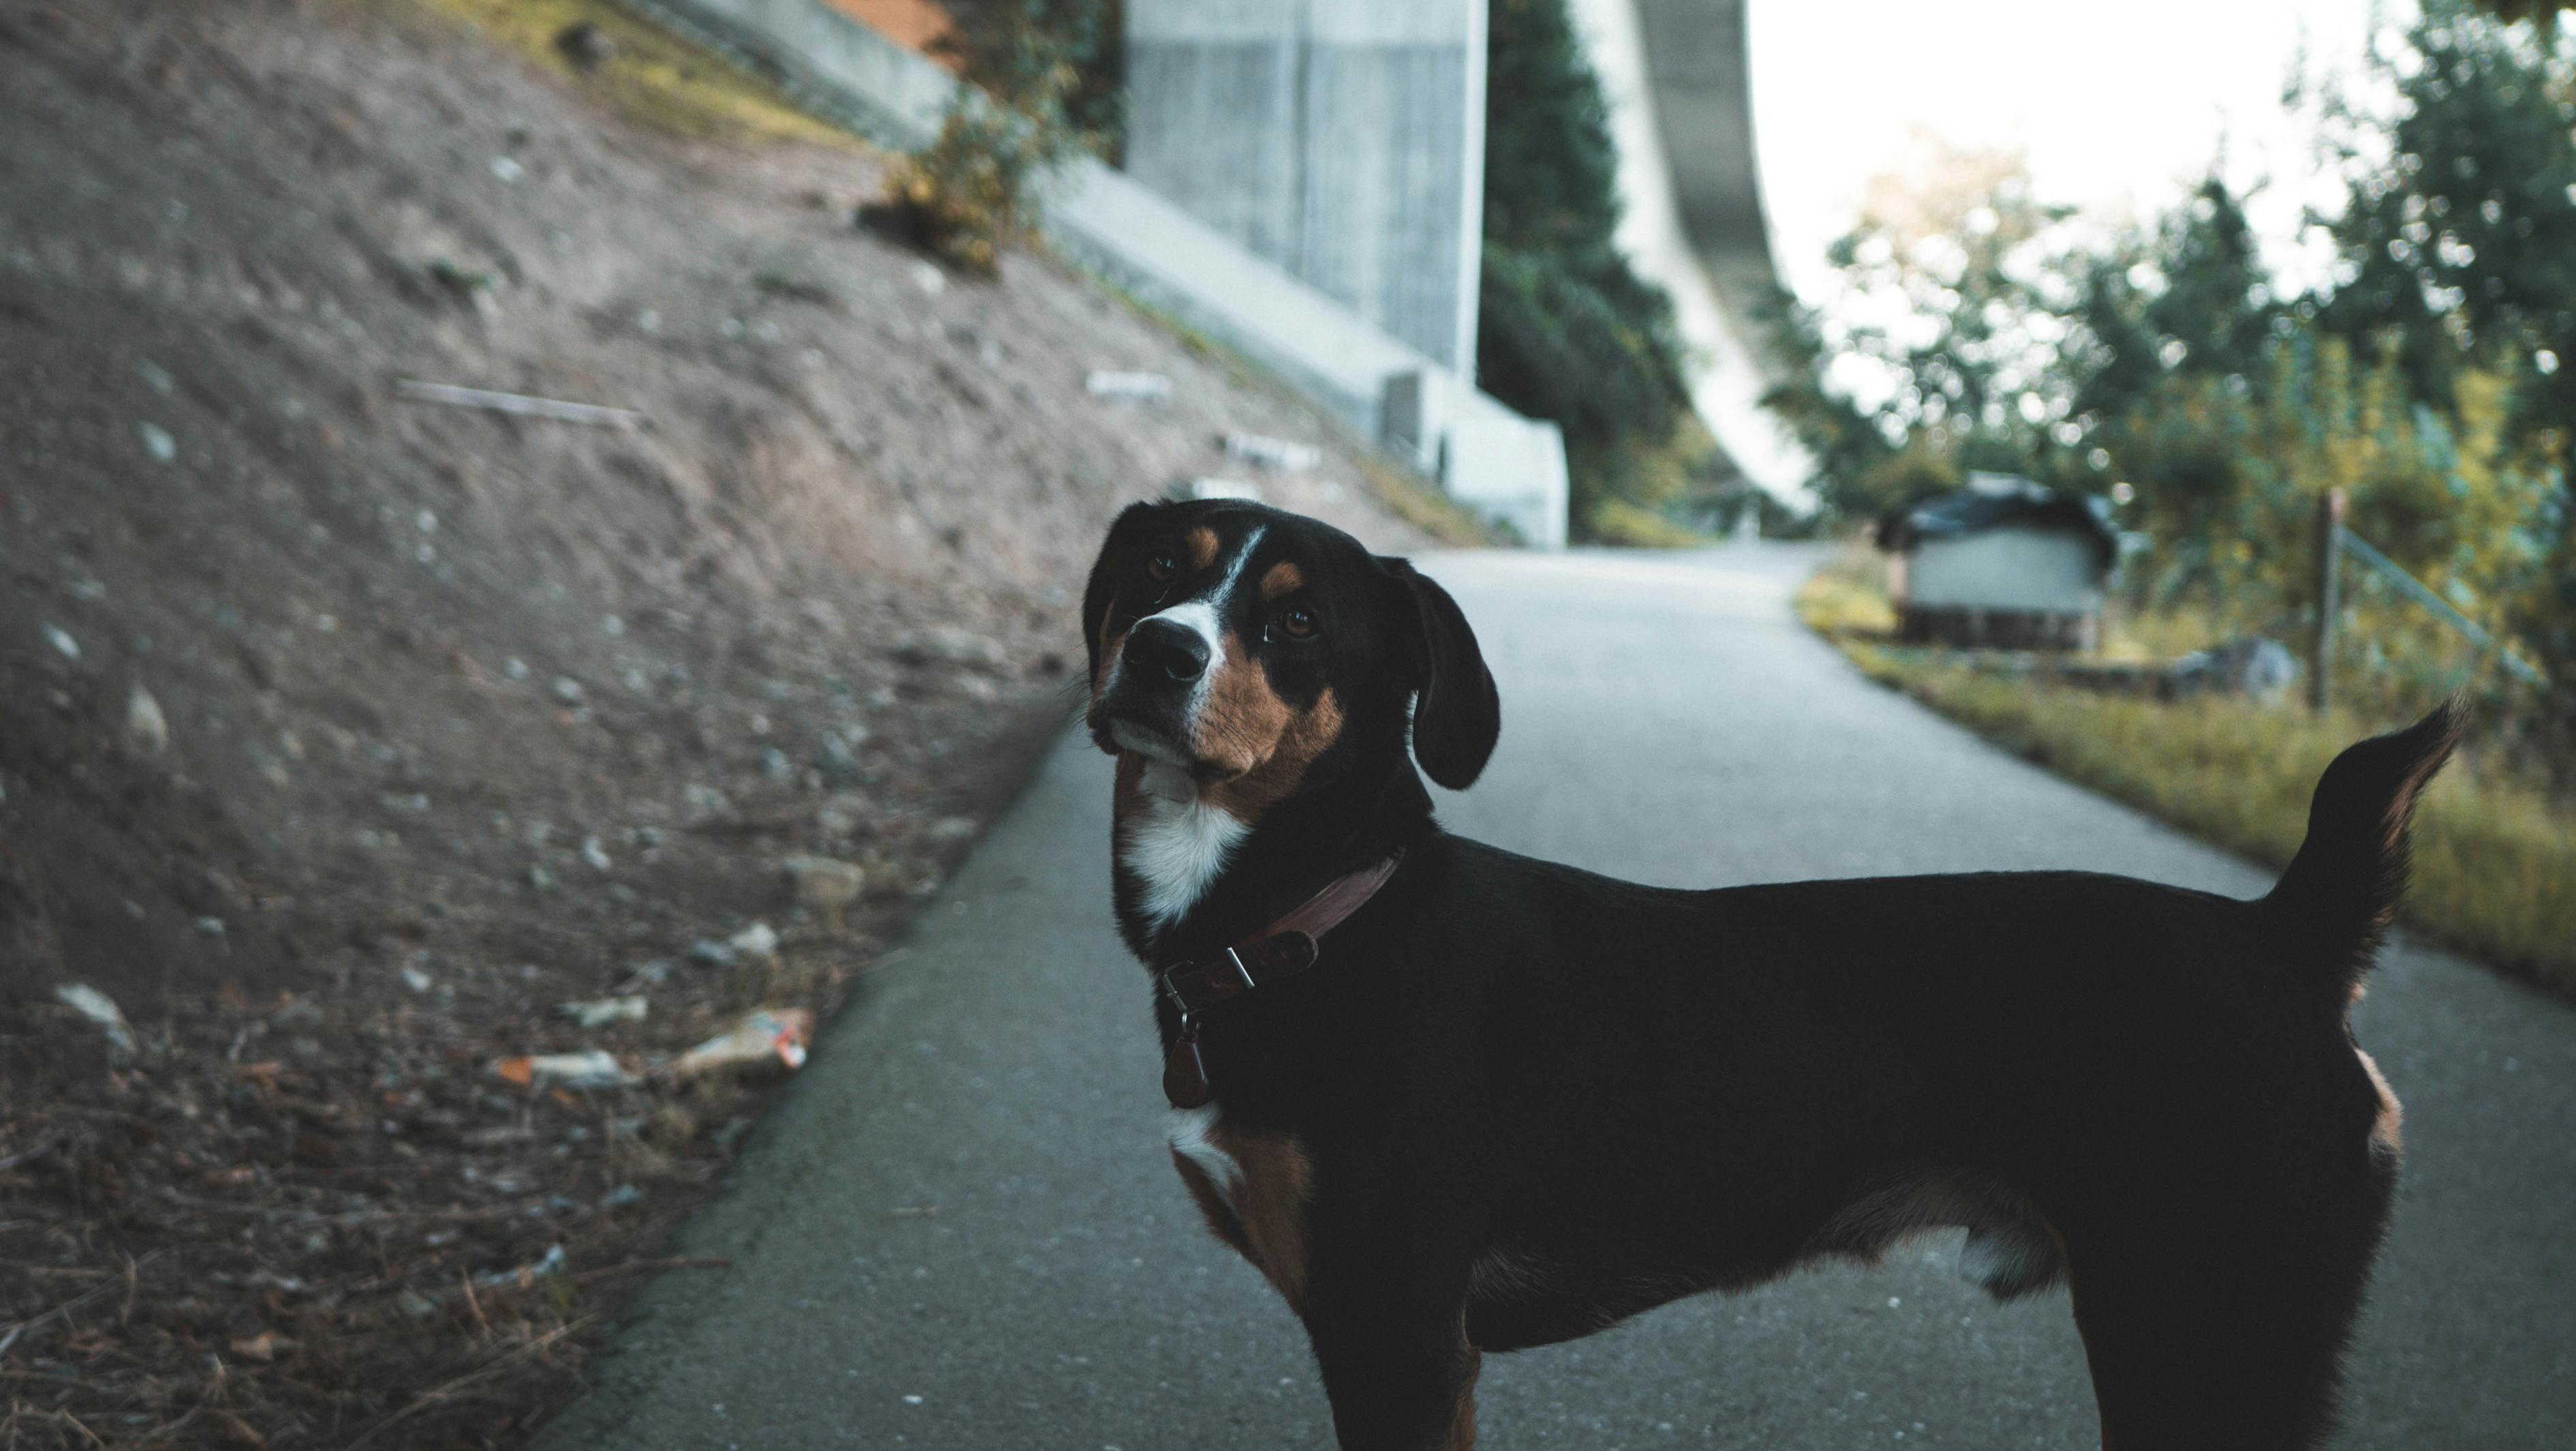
(2329, 600)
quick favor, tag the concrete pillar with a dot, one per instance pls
(1341, 139)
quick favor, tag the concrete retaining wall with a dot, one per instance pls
(1341, 139)
(1488, 457)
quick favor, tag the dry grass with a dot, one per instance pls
(652, 77)
(2494, 854)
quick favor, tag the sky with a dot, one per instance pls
(2119, 107)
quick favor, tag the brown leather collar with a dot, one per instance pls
(1284, 949)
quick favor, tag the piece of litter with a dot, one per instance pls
(261, 1347)
(1273, 453)
(101, 1009)
(147, 730)
(526, 1275)
(595, 1069)
(64, 645)
(158, 442)
(756, 940)
(912, 1400)
(600, 1012)
(757, 1037)
(1215, 488)
(518, 403)
(1144, 387)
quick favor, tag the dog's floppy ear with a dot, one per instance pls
(1456, 713)
(1124, 532)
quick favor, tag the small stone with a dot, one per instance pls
(595, 854)
(929, 279)
(156, 377)
(64, 645)
(541, 879)
(567, 690)
(621, 1196)
(951, 645)
(515, 668)
(210, 926)
(775, 765)
(158, 442)
(584, 46)
(507, 168)
(825, 885)
(756, 940)
(834, 762)
(415, 979)
(147, 730)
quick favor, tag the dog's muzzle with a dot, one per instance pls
(1154, 691)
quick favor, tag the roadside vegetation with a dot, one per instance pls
(1566, 330)
(2430, 374)
(2494, 852)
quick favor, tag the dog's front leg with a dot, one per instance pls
(1387, 1313)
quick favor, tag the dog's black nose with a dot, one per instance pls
(1168, 648)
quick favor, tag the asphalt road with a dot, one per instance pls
(1663, 719)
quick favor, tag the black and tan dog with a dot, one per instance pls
(1511, 1103)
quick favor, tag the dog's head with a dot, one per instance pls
(1254, 649)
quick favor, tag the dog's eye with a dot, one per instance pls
(1297, 622)
(1159, 566)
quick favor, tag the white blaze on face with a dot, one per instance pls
(1203, 616)
(1177, 845)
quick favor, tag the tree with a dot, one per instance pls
(2460, 236)
(1567, 331)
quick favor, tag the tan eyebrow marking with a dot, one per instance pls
(1282, 578)
(1202, 546)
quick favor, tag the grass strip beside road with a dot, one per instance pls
(2495, 857)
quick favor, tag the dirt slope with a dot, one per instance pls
(467, 715)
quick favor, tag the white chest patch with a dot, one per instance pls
(1177, 844)
(1189, 1136)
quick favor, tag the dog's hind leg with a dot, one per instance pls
(2209, 1333)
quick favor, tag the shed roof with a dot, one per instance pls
(1992, 500)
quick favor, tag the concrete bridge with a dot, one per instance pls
(1679, 79)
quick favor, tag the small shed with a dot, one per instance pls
(2002, 563)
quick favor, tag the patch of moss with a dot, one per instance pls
(647, 74)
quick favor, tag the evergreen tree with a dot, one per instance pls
(1566, 329)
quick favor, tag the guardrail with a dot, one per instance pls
(2334, 542)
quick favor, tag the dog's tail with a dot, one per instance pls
(2334, 903)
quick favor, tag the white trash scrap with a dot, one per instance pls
(1214, 488)
(756, 1037)
(1143, 387)
(101, 1009)
(600, 1012)
(1273, 453)
(597, 1068)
